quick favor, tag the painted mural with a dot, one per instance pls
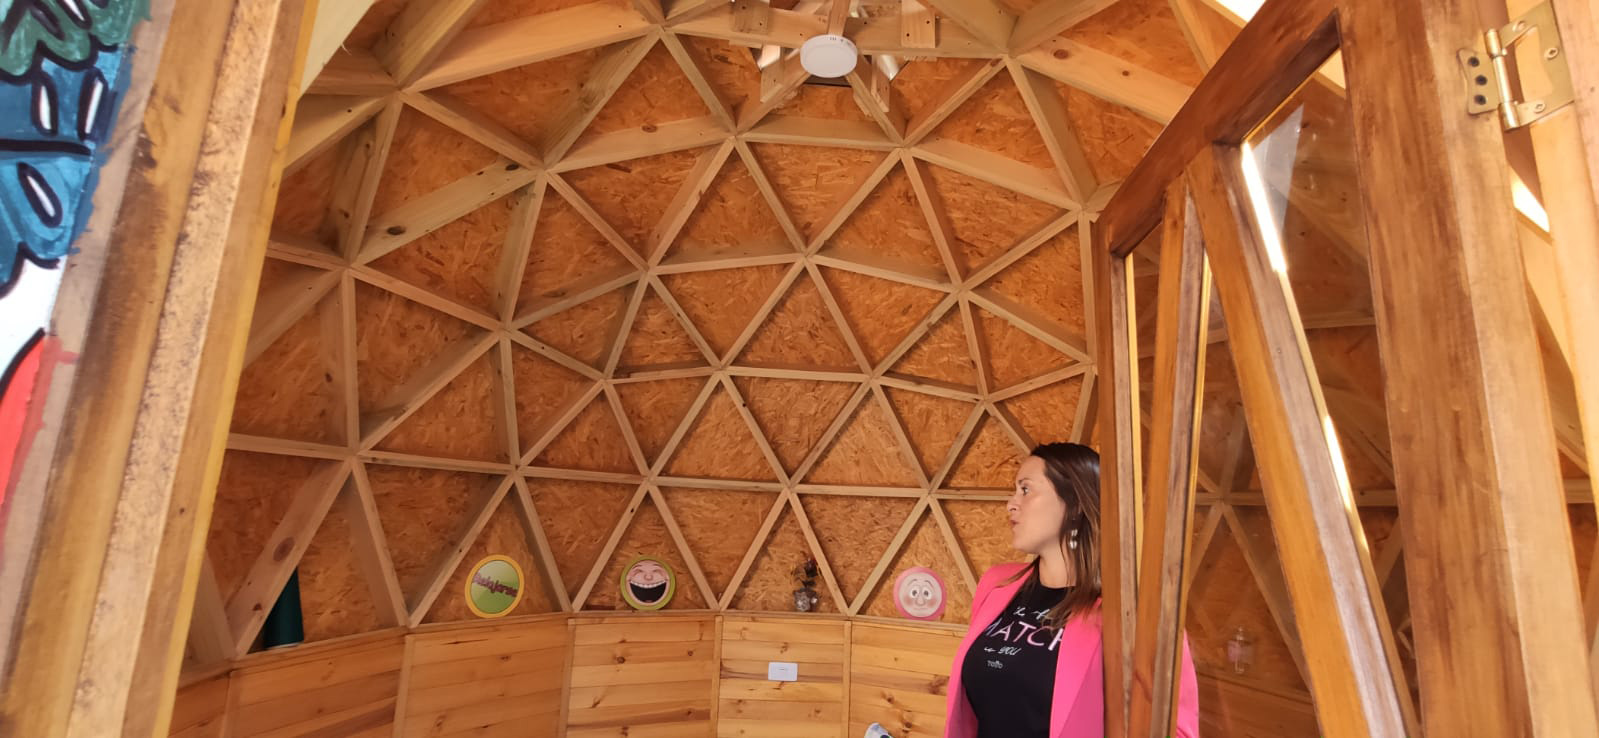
(63, 67)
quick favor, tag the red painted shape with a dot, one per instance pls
(15, 426)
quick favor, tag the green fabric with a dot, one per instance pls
(284, 625)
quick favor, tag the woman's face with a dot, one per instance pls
(1035, 511)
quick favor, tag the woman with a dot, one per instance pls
(1030, 665)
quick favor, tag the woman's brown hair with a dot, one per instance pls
(1073, 470)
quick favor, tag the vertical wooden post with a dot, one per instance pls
(1182, 315)
(131, 483)
(1318, 534)
(1488, 556)
(1120, 468)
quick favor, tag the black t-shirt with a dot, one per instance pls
(1009, 673)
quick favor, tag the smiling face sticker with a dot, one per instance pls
(648, 583)
(919, 594)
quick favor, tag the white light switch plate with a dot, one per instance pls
(782, 671)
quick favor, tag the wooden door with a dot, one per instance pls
(1334, 137)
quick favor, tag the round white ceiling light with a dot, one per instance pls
(828, 55)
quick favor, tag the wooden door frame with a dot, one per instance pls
(104, 567)
(1459, 349)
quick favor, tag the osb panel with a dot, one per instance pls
(855, 533)
(823, 101)
(926, 548)
(460, 260)
(578, 518)
(793, 413)
(729, 69)
(1145, 33)
(527, 100)
(304, 196)
(942, 355)
(799, 333)
(1046, 415)
(505, 10)
(254, 492)
(287, 391)
(1113, 137)
(505, 535)
(656, 338)
(732, 217)
(425, 156)
(772, 579)
(983, 530)
(812, 181)
(543, 389)
(986, 220)
(1013, 355)
(655, 409)
(1049, 279)
(1226, 597)
(865, 453)
(584, 331)
(566, 250)
(593, 441)
(654, 94)
(424, 513)
(1222, 410)
(880, 312)
(719, 445)
(931, 422)
(996, 119)
(394, 338)
(372, 25)
(922, 83)
(719, 526)
(989, 461)
(632, 196)
(722, 303)
(462, 421)
(646, 536)
(1324, 276)
(889, 225)
(335, 599)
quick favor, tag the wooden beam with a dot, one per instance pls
(282, 551)
(998, 170)
(951, 96)
(280, 307)
(423, 215)
(480, 51)
(610, 70)
(209, 634)
(541, 545)
(489, 499)
(360, 171)
(1287, 42)
(1174, 447)
(1049, 114)
(352, 73)
(1109, 78)
(1254, 540)
(371, 549)
(918, 25)
(322, 121)
(1051, 18)
(1330, 578)
(419, 35)
(789, 29)
(986, 19)
(609, 148)
(1455, 330)
(444, 108)
(333, 22)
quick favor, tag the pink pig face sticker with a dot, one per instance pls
(919, 594)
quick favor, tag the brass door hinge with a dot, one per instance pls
(1488, 83)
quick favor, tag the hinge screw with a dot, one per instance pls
(1551, 53)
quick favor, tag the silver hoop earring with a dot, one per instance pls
(1073, 542)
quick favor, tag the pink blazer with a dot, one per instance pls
(1078, 709)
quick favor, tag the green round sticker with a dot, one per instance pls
(494, 587)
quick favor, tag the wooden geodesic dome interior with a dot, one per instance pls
(578, 285)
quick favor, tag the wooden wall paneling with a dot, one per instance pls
(497, 680)
(1330, 580)
(200, 710)
(1184, 301)
(749, 704)
(1457, 367)
(899, 677)
(640, 675)
(347, 688)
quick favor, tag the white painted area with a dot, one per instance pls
(782, 671)
(27, 308)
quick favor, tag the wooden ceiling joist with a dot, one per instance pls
(1109, 78)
